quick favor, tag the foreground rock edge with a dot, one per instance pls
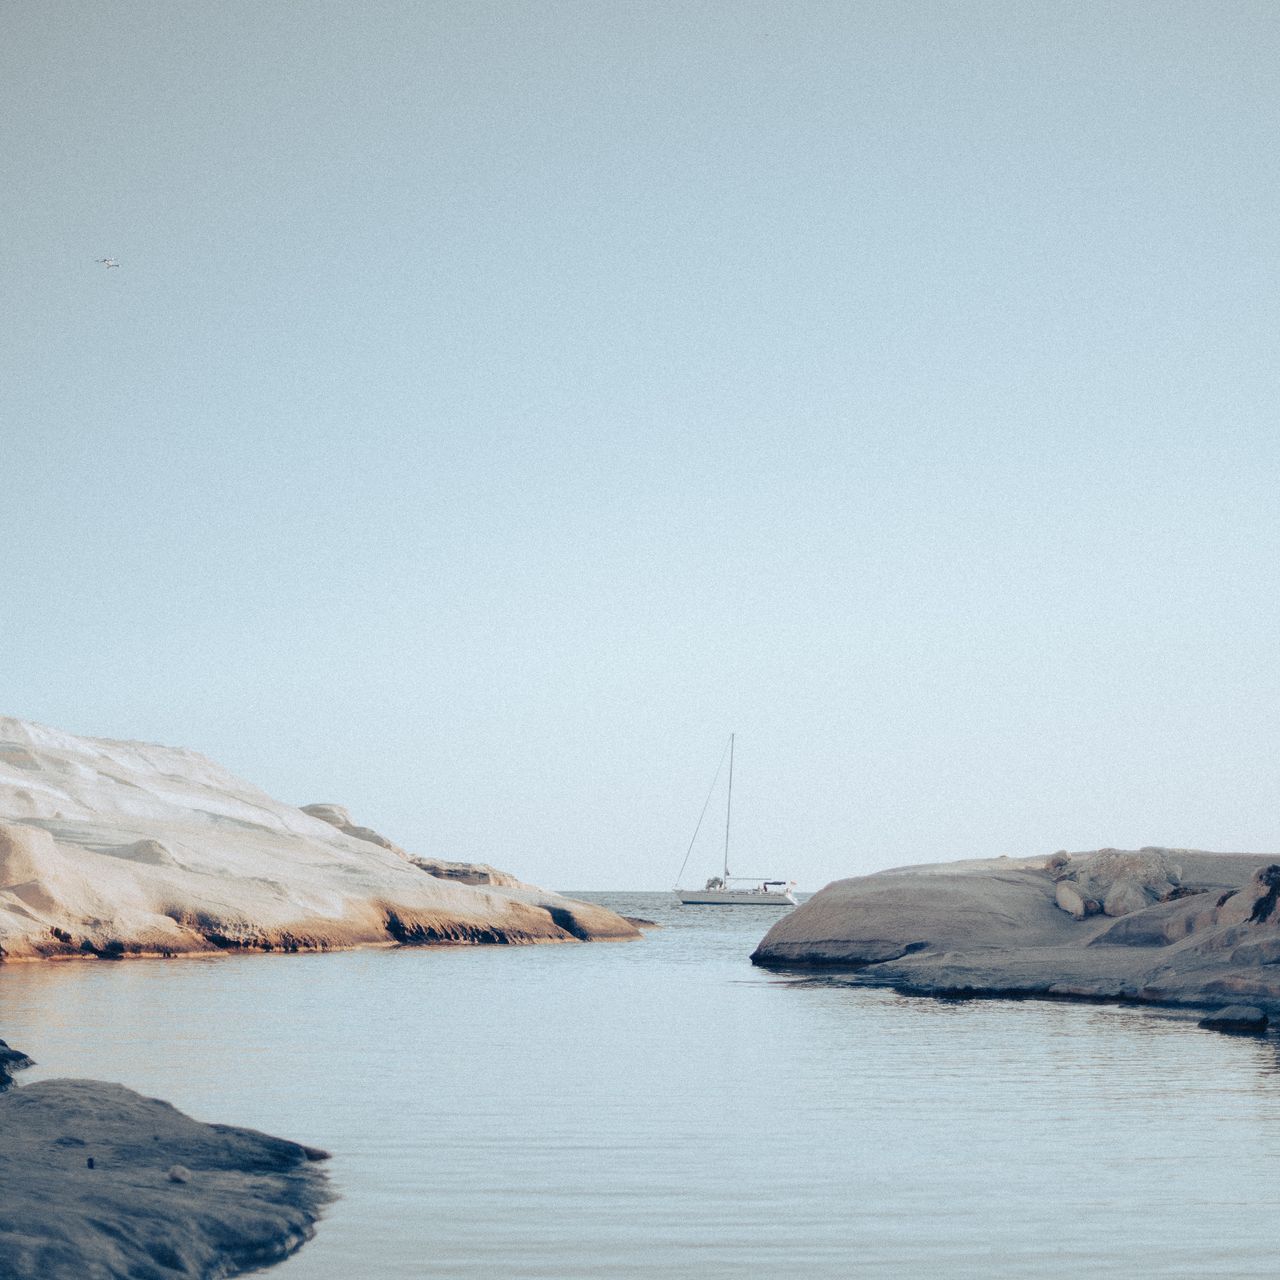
(1201, 930)
(100, 1181)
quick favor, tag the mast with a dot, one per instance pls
(728, 812)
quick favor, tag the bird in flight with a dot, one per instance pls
(108, 262)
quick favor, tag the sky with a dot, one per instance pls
(498, 404)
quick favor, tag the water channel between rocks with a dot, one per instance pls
(662, 1109)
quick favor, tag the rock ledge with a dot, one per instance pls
(101, 1182)
(1171, 926)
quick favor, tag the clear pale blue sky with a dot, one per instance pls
(500, 402)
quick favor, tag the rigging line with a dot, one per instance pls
(728, 809)
(703, 814)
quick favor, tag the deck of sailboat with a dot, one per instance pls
(734, 898)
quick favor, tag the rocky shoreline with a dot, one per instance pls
(1158, 926)
(111, 849)
(96, 1180)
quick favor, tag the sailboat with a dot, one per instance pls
(728, 890)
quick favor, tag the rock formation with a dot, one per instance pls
(100, 1181)
(1240, 1019)
(1114, 881)
(11, 1060)
(109, 849)
(467, 872)
(1161, 925)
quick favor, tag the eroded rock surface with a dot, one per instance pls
(466, 872)
(109, 849)
(1114, 881)
(1184, 927)
(88, 1189)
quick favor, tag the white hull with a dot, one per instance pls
(734, 898)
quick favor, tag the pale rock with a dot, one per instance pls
(466, 872)
(1059, 864)
(1025, 928)
(1121, 880)
(151, 852)
(1256, 901)
(1259, 951)
(1071, 900)
(112, 848)
(1123, 897)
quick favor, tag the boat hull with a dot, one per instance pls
(733, 898)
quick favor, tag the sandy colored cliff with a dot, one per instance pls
(117, 848)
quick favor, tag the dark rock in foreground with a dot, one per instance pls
(1159, 925)
(11, 1060)
(1240, 1018)
(99, 1183)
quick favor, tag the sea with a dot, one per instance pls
(660, 1108)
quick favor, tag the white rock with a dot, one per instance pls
(1070, 899)
(1123, 897)
(114, 847)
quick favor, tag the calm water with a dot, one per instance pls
(661, 1109)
